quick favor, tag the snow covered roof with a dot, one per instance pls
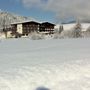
(25, 21)
(47, 23)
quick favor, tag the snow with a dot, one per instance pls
(62, 64)
(71, 25)
(11, 18)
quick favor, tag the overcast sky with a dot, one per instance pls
(49, 10)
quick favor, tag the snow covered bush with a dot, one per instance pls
(64, 34)
(36, 36)
(57, 36)
(67, 34)
(49, 36)
(86, 33)
(74, 32)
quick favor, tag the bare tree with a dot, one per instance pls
(4, 26)
(5, 23)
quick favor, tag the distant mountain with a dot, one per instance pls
(68, 22)
(8, 18)
(75, 21)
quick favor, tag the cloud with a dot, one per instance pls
(63, 8)
(34, 3)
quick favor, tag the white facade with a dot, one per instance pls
(2, 35)
(9, 34)
(19, 28)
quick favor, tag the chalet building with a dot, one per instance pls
(30, 27)
(25, 28)
(47, 28)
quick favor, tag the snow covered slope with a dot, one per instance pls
(11, 18)
(56, 64)
(71, 25)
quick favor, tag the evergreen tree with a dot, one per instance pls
(60, 29)
(77, 30)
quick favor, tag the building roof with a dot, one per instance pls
(47, 23)
(27, 21)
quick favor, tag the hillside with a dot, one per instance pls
(69, 26)
(7, 18)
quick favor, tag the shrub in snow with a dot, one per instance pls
(48, 36)
(67, 34)
(36, 36)
(57, 36)
(63, 34)
(86, 33)
(75, 32)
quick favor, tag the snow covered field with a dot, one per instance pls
(55, 64)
